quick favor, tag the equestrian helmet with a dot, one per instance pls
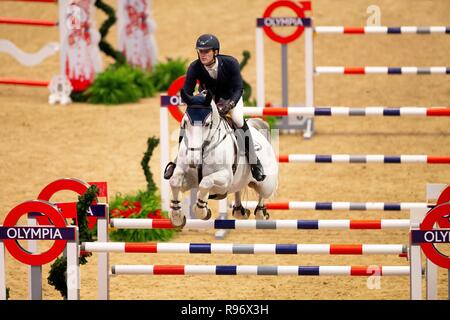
(207, 41)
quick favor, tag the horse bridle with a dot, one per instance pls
(209, 137)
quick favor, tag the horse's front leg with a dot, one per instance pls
(177, 218)
(220, 179)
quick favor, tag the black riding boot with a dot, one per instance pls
(170, 168)
(255, 165)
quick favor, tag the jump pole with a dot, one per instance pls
(414, 270)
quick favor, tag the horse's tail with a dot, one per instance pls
(260, 125)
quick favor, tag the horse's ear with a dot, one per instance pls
(186, 98)
(208, 98)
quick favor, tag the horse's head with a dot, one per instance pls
(200, 117)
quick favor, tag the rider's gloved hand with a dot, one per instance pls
(225, 107)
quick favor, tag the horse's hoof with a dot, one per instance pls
(208, 214)
(203, 213)
(241, 213)
(261, 213)
(177, 219)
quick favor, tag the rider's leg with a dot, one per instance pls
(168, 171)
(237, 115)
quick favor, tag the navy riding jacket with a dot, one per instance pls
(228, 84)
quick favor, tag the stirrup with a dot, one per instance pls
(168, 171)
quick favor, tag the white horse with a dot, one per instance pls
(210, 159)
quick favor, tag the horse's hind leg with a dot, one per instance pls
(217, 179)
(261, 210)
(239, 212)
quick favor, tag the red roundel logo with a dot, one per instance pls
(444, 198)
(299, 11)
(69, 184)
(53, 214)
(173, 90)
(174, 100)
(436, 216)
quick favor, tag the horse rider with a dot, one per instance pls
(221, 74)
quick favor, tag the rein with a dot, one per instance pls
(220, 139)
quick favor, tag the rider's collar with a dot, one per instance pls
(214, 65)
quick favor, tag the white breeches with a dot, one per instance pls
(237, 114)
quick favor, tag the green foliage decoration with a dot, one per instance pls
(164, 74)
(57, 274)
(119, 84)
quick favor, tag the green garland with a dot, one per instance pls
(152, 143)
(104, 29)
(57, 273)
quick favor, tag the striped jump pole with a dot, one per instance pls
(30, 22)
(32, 83)
(382, 30)
(356, 206)
(381, 70)
(347, 111)
(45, 1)
(261, 270)
(344, 224)
(231, 248)
(355, 159)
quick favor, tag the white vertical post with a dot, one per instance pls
(165, 151)
(73, 269)
(62, 26)
(432, 280)
(34, 272)
(433, 192)
(416, 217)
(260, 98)
(223, 206)
(2, 271)
(103, 257)
(309, 77)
